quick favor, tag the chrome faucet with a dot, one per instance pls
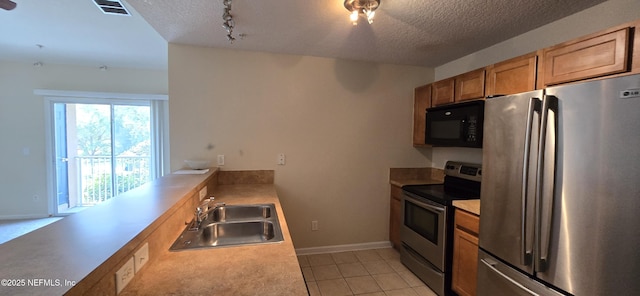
(201, 213)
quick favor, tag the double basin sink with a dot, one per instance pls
(232, 225)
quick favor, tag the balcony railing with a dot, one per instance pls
(96, 184)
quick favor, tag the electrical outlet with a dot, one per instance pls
(124, 275)
(314, 225)
(203, 192)
(281, 159)
(141, 257)
(220, 160)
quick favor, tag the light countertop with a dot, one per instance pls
(471, 205)
(67, 251)
(261, 269)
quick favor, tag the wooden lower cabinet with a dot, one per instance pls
(395, 216)
(465, 253)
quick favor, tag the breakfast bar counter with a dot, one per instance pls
(80, 254)
(261, 269)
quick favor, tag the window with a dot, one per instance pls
(100, 147)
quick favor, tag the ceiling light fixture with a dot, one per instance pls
(7, 4)
(228, 22)
(367, 8)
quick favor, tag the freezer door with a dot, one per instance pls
(589, 239)
(498, 279)
(510, 139)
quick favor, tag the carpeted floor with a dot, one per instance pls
(10, 229)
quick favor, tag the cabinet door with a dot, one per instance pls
(512, 76)
(395, 216)
(421, 101)
(469, 86)
(465, 253)
(442, 92)
(585, 58)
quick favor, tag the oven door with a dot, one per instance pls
(423, 228)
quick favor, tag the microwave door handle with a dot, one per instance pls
(542, 252)
(525, 255)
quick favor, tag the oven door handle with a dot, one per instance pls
(425, 205)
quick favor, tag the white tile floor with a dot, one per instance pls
(376, 272)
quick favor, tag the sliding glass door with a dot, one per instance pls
(101, 150)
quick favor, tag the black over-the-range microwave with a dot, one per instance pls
(457, 125)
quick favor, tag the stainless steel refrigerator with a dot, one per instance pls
(560, 197)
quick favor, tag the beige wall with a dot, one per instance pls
(596, 18)
(22, 126)
(342, 125)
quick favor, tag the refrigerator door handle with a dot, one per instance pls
(542, 252)
(490, 263)
(525, 255)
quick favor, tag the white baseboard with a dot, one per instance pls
(343, 248)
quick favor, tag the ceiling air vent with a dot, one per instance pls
(111, 7)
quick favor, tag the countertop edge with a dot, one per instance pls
(73, 248)
(470, 205)
(415, 176)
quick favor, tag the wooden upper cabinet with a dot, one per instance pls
(421, 101)
(469, 86)
(587, 57)
(442, 92)
(512, 76)
(635, 55)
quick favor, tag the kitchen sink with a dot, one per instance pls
(242, 212)
(233, 225)
(237, 233)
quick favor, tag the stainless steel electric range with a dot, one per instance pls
(427, 223)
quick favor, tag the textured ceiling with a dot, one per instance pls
(76, 32)
(414, 32)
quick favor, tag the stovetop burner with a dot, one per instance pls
(462, 181)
